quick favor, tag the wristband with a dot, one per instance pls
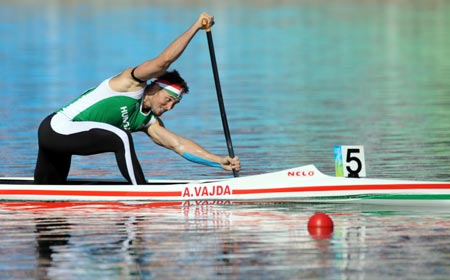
(200, 160)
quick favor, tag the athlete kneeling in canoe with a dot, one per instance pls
(102, 119)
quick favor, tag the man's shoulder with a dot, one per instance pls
(123, 82)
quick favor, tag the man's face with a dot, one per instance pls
(162, 102)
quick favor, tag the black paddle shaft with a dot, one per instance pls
(223, 114)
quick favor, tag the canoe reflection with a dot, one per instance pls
(148, 240)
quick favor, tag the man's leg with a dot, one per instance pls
(51, 169)
(59, 138)
(121, 143)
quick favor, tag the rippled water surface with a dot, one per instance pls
(157, 241)
(298, 77)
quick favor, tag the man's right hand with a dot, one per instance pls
(205, 21)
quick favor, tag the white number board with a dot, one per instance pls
(349, 161)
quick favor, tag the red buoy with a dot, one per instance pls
(320, 225)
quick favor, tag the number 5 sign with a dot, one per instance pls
(349, 161)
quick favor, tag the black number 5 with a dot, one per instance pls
(350, 158)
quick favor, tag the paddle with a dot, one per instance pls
(223, 114)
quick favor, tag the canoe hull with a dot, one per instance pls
(301, 184)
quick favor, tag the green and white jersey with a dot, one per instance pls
(102, 104)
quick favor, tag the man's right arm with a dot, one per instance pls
(189, 149)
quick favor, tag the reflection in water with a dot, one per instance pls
(52, 235)
(83, 249)
(211, 241)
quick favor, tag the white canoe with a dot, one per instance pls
(301, 184)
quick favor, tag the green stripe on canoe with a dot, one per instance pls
(410, 196)
(385, 196)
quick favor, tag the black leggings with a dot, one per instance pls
(56, 150)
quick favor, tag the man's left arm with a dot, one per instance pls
(189, 149)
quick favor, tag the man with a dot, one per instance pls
(102, 119)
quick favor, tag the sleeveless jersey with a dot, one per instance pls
(103, 104)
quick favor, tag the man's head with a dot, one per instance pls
(164, 92)
(173, 83)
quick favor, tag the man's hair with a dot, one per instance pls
(173, 77)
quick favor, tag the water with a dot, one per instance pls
(155, 241)
(298, 77)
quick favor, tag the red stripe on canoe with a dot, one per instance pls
(88, 193)
(345, 188)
